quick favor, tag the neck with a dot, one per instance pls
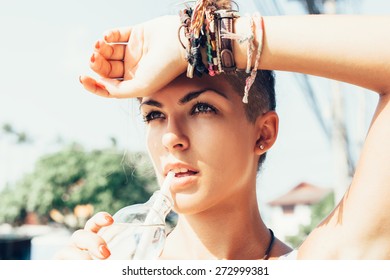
(223, 232)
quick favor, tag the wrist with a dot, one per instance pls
(241, 25)
(183, 40)
(240, 48)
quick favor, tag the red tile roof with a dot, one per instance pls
(304, 193)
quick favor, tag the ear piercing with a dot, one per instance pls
(261, 147)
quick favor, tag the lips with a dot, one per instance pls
(185, 176)
(182, 172)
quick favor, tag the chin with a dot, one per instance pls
(188, 204)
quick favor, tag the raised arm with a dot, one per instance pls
(351, 49)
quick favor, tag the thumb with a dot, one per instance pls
(111, 88)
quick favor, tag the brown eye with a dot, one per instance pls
(152, 116)
(200, 108)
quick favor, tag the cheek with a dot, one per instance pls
(154, 146)
(224, 146)
(151, 141)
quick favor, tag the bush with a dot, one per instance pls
(100, 180)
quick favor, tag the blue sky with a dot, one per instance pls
(46, 45)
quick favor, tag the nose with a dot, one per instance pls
(174, 137)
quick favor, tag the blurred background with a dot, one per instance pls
(66, 154)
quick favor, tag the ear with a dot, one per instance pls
(267, 131)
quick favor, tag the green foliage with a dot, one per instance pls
(11, 207)
(319, 212)
(107, 179)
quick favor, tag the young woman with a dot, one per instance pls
(200, 128)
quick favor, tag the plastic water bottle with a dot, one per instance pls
(139, 231)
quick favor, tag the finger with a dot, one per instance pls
(93, 86)
(137, 86)
(106, 68)
(118, 35)
(109, 51)
(98, 221)
(72, 253)
(88, 241)
(124, 89)
(145, 79)
(116, 89)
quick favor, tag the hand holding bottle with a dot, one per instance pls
(134, 232)
(138, 231)
(85, 244)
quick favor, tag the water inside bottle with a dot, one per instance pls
(123, 239)
(138, 231)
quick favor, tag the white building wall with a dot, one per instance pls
(288, 224)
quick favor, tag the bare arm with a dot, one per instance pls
(359, 227)
(351, 49)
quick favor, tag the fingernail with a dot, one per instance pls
(97, 45)
(104, 251)
(105, 38)
(108, 218)
(80, 80)
(93, 58)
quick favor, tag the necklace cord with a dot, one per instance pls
(271, 242)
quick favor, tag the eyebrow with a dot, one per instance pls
(194, 94)
(187, 98)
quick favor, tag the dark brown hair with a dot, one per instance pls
(261, 96)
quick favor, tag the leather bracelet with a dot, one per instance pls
(224, 21)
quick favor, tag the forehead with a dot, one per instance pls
(183, 84)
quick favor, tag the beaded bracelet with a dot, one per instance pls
(201, 30)
(207, 27)
(212, 54)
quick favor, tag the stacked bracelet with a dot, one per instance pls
(204, 27)
(225, 26)
(210, 28)
(212, 52)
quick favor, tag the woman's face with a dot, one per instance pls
(197, 128)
